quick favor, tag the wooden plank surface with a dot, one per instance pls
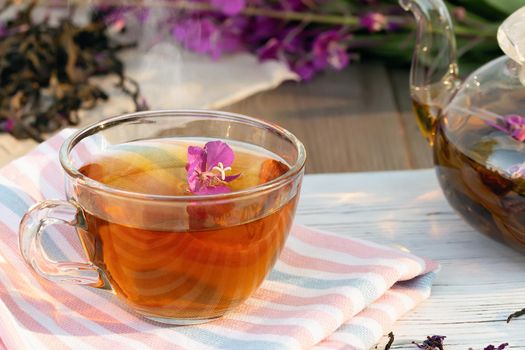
(355, 120)
(481, 281)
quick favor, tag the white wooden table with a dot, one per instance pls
(481, 281)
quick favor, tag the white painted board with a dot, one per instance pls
(481, 281)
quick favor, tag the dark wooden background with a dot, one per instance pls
(359, 119)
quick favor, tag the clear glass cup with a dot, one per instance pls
(173, 259)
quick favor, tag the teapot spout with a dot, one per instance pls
(434, 73)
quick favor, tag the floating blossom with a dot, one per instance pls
(513, 125)
(434, 342)
(329, 49)
(373, 21)
(207, 168)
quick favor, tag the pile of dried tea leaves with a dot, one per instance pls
(45, 72)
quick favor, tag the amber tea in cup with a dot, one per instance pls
(172, 253)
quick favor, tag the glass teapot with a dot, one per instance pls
(476, 127)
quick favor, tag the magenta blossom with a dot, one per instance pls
(329, 49)
(270, 51)
(207, 168)
(373, 21)
(305, 69)
(459, 13)
(196, 34)
(513, 125)
(229, 7)
(206, 35)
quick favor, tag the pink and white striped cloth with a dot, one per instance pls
(327, 291)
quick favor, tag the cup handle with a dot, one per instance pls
(34, 223)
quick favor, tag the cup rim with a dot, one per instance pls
(93, 128)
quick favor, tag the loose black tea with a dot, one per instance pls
(45, 71)
(516, 314)
(390, 341)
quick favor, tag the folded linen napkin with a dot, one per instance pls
(326, 291)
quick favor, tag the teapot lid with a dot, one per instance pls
(511, 38)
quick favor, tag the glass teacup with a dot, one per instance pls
(169, 254)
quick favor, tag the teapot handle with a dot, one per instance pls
(434, 72)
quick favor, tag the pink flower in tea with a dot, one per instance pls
(207, 168)
(513, 125)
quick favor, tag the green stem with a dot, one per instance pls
(302, 16)
(307, 17)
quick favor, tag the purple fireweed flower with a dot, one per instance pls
(207, 167)
(512, 125)
(229, 7)
(373, 21)
(392, 26)
(329, 49)
(143, 14)
(231, 32)
(195, 34)
(459, 13)
(263, 28)
(292, 5)
(294, 40)
(304, 68)
(434, 342)
(204, 35)
(270, 51)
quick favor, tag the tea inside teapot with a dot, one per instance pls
(476, 127)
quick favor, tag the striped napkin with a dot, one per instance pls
(326, 291)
